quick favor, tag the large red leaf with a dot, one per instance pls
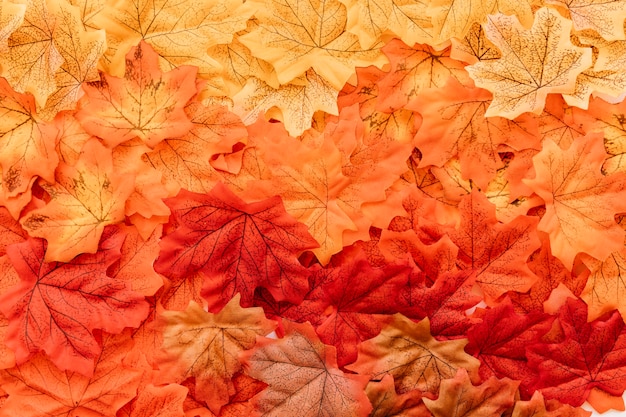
(240, 246)
(56, 306)
(590, 355)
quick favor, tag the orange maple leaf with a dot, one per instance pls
(146, 103)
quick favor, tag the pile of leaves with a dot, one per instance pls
(421, 203)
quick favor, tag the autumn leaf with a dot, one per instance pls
(500, 342)
(459, 398)
(497, 252)
(605, 17)
(298, 101)
(240, 246)
(605, 286)
(84, 199)
(303, 378)
(11, 18)
(474, 46)
(205, 346)
(534, 62)
(537, 407)
(455, 123)
(295, 36)
(580, 202)
(387, 403)
(590, 355)
(371, 20)
(32, 58)
(37, 322)
(38, 387)
(416, 360)
(27, 147)
(179, 32)
(454, 18)
(158, 401)
(185, 161)
(146, 103)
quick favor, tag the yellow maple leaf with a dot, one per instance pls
(534, 62)
(407, 19)
(11, 17)
(32, 59)
(180, 32)
(80, 50)
(454, 18)
(606, 289)
(607, 76)
(604, 16)
(83, 200)
(295, 36)
(297, 101)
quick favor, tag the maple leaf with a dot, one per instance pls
(605, 286)
(454, 123)
(180, 32)
(387, 403)
(534, 62)
(303, 378)
(27, 146)
(497, 252)
(295, 36)
(10, 231)
(590, 355)
(537, 407)
(414, 69)
(11, 18)
(146, 103)
(407, 351)
(501, 348)
(157, 401)
(38, 387)
(205, 346)
(84, 199)
(186, 161)
(561, 123)
(240, 246)
(580, 201)
(135, 263)
(605, 17)
(32, 58)
(459, 398)
(297, 101)
(474, 46)
(454, 18)
(64, 331)
(406, 19)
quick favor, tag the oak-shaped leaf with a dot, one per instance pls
(589, 355)
(497, 252)
(205, 346)
(303, 378)
(296, 36)
(459, 398)
(239, 245)
(416, 360)
(37, 387)
(500, 343)
(534, 62)
(84, 199)
(147, 102)
(580, 201)
(56, 306)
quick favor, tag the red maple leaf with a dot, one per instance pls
(239, 246)
(500, 343)
(590, 355)
(56, 306)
